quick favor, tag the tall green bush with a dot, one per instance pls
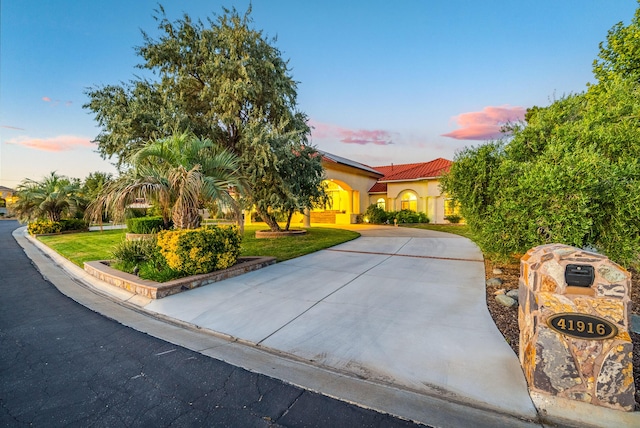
(569, 173)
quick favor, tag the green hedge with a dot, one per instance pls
(73, 224)
(145, 224)
(377, 215)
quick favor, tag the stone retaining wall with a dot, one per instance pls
(158, 290)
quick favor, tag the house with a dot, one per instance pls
(6, 198)
(353, 186)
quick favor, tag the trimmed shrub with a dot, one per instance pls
(135, 212)
(408, 216)
(145, 224)
(73, 224)
(375, 214)
(453, 218)
(197, 251)
(40, 227)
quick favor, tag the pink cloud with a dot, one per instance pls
(349, 136)
(56, 102)
(60, 143)
(485, 124)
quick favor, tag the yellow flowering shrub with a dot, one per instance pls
(204, 250)
(43, 226)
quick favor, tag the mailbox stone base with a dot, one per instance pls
(595, 370)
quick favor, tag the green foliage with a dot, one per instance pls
(40, 227)
(453, 218)
(408, 216)
(135, 251)
(145, 224)
(569, 174)
(143, 256)
(376, 215)
(53, 198)
(131, 212)
(179, 174)
(73, 224)
(87, 246)
(198, 251)
(225, 82)
(620, 54)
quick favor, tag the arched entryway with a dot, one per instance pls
(343, 203)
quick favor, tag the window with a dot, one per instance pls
(409, 202)
(381, 203)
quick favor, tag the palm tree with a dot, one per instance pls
(178, 173)
(52, 198)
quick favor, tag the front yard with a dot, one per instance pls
(90, 246)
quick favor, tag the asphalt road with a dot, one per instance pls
(63, 365)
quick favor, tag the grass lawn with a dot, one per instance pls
(289, 247)
(85, 246)
(88, 246)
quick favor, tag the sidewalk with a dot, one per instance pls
(395, 320)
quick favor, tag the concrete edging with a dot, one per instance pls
(281, 234)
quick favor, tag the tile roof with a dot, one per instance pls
(378, 188)
(414, 171)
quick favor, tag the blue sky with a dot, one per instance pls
(382, 82)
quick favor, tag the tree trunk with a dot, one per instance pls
(239, 218)
(271, 222)
(186, 219)
(289, 219)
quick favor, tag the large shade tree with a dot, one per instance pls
(179, 174)
(570, 173)
(222, 80)
(53, 198)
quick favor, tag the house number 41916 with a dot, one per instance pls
(582, 326)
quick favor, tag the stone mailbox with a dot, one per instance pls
(574, 326)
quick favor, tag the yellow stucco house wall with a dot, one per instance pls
(354, 186)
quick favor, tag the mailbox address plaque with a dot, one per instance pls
(582, 326)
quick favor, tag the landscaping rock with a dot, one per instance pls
(494, 282)
(505, 300)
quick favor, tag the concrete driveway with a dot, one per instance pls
(398, 306)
